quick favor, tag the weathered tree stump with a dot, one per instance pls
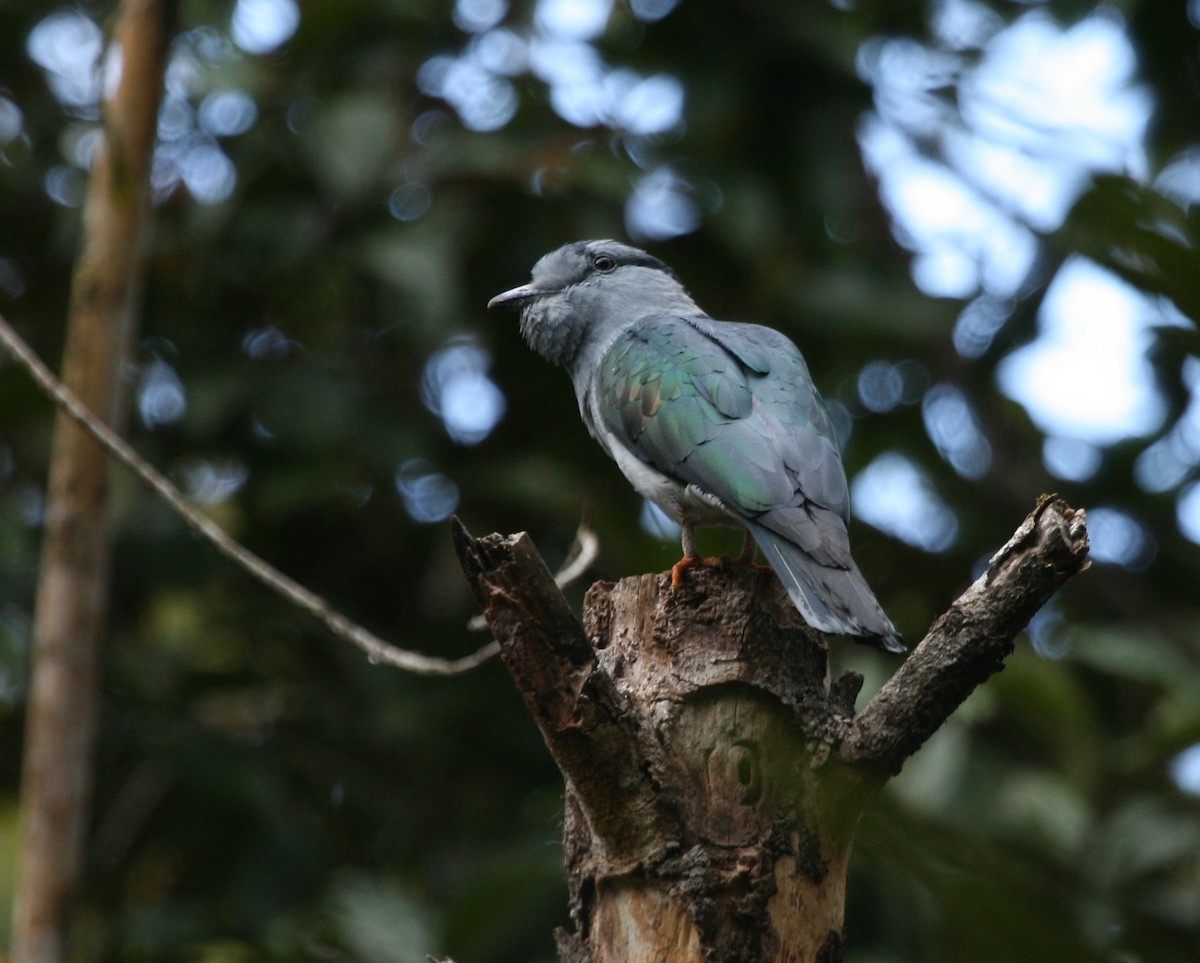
(714, 773)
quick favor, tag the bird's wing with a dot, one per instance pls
(731, 409)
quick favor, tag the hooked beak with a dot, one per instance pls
(523, 293)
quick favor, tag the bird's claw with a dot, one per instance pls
(687, 562)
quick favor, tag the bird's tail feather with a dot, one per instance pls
(834, 600)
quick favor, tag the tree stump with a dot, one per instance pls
(714, 772)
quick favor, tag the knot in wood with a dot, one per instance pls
(735, 773)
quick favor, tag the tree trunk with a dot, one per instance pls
(72, 593)
(714, 773)
(735, 719)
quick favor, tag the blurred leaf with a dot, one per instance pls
(1141, 235)
(1144, 836)
(1044, 696)
(381, 923)
(1136, 656)
(353, 139)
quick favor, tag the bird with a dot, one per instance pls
(716, 422)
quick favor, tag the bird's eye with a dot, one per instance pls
(603, 263)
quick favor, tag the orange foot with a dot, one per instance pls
(687, 562)
(749, 555)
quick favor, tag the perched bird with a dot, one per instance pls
(715, 422)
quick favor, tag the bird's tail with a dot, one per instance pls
(834, 600)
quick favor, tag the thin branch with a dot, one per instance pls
(583, 552)
(971, 640)
(376, 648)
(582, 717)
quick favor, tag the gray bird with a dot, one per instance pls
(715, 422)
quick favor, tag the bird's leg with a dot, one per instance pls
(749, 554)
(690, 556)
(749, 550)
(688, 538)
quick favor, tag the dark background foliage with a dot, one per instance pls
(263, 792)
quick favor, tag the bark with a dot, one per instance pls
(714, 773)
(72, 595)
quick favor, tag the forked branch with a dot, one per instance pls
(971, 640)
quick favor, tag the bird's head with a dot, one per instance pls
(587, 289)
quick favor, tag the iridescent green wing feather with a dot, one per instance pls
(731, 409)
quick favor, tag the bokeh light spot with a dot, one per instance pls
(428, 495)
(456, 387)
(263, 26)
(895, 496)
(67, 45)
(1071, 459)
(1118, 537)
(160, 397)
(476, 16)
(661, 207)
(654, 521)
(572, 19)
(227, 113)
(1185, 766)
(1087, 375)
(954, 429)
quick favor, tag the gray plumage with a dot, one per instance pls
(715, 422)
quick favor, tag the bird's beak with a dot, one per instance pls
(524, 292)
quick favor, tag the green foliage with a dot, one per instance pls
(263, 793)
